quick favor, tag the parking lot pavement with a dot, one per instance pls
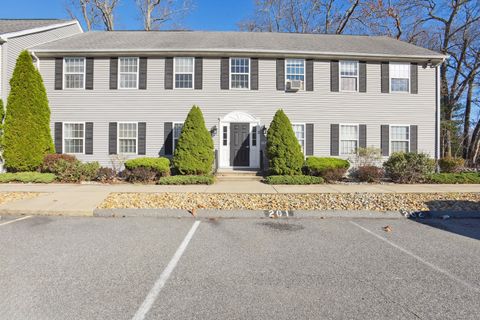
(144, 268)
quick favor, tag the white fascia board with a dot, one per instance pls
(6, 36)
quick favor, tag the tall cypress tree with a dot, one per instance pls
(194, 150)
(27, 137)
(283, 150)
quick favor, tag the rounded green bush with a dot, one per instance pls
(194, 151)
(284, 153)
(409, 167)
(160, 165)
(317, 165)
(27, 137)
(451, 164)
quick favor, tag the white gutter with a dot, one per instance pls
(40, 29)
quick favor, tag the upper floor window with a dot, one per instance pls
(74, 73)
(184, 69)
(348, 75)
(73, 137)
(399, 138)
(399, 77)
(177, 131)
(295, 69)
(127, 137)
(299, 129)
(128, 73)
(348, 138)
(239, 73)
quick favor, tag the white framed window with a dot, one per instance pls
(73, 137)
(184, 72)
(239, 73)
(295, 70)
(128, 73)
(299, 130)
(177, 130)
(127, 137)
(74, 73)
(399, 77)
(349, 76)
(399, 138)
(348, 138)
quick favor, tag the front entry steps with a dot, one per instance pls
(239, 174)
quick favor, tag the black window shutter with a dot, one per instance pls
(414, 78)
(89, 138)
(198, 73)
(254, 73)
(385, 139)
(309, 75)
(334, 139)
(385, 77)
(112, 138)
(168, 73)
(113, 73)
(168, 136)
(142, 138)
(309, 139)
(58, 137)
(334, 76)
(142, 75)
(58, 73)
(362, 86)
(414, 138)
(225, 74)
(89, 63)
(281, 74)
(362, 136)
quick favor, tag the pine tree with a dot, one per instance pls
(194, 150)
(27, 137)
(283, 149)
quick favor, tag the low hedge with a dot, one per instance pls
(455, 178)
(160, 165)
(188, 179)
(27, 177)
(316, 165)
(299, 180)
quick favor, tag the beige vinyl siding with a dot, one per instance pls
(320, 107)
(15, 45)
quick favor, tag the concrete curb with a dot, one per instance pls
(46, 212)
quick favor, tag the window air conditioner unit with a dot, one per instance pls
(294, 85)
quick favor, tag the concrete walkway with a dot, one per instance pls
(72, 199)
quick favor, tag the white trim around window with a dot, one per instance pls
(301, 141)
(293, 75)
(73, 138)
(77, 61)
(248, 74)
(174, 137)
(192, 72)
(127, 138)
(403, 140)
(351, 73)
(343, 138)
(120, 59)
(399, 71)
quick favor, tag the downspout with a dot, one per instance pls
(37, 61)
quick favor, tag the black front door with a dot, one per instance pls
(240, 144)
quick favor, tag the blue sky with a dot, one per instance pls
(207, 14)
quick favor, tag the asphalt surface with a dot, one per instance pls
(110, 268)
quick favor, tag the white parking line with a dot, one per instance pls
(160, 283)
(12, 221)
(445, 272)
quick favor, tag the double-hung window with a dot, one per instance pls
(239, 73)
(127, 137)
(349, 76)
(74, 73)
(348, 139)
(73, 137)
(177, 131)
(184, 70)
(399, 77)
(399, 138)
(128, 73)
(295, 70)
(299, 130)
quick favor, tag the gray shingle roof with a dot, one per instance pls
(15, 25)
(231, 42)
